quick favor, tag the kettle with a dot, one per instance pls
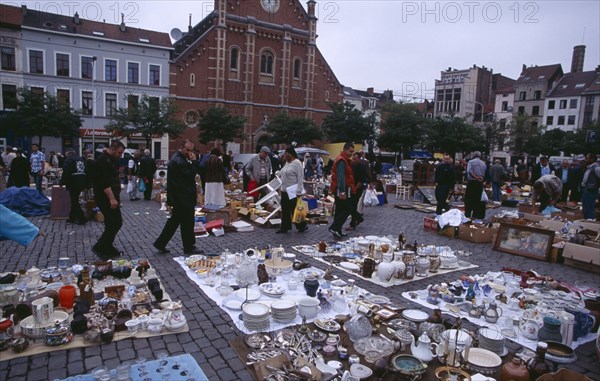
(424, 349)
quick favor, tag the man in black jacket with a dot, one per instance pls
(182, 198)
(107, 193)
(74, 178)
(147, 170)
(541, 169)
(444, 183)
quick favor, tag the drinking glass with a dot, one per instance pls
(162, 360)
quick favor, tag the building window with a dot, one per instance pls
(571, 120)
(36, 61)
(562, 104)
(110, 104)
(133, 72)
(87, 103)
(154, 75)
(87, 67)
(62, 65)
(297, 68)
(234, 59)
(9, 97)
(551, 105)
(573, 103)
(192, 80)
(521, 110)
(561, 120)
(505, 106)
(8, 59)
(37, 91)
(587, 117)
(522, 95)
(537, 94)
(63, 97)
(266, 63)
(589, 100)
(110, 70)
(549, 120)
(133, 102)
(154, 104)
(535, 110)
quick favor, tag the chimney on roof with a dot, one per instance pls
(524, 68)
(370, 90)
(24, 9)
(578, 57)
(122, 26)
(190, 23)
(76, 18)
(311, 7)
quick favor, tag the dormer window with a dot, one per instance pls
(144, 40)
(96, 33)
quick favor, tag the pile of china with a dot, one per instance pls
(255, 316)
(283, 311)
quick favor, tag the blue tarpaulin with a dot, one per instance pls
(25, 201)
(420, 155)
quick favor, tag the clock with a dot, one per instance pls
(270, 6)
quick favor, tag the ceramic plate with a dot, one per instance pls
(372, 238)
(350, 266)
(378, 299)
(338, 283)
(233, 304)
(313, 271)
(415, 315)
(360, 371)
(283, 305)
(255, 309)
(327, 325)
(252, 294)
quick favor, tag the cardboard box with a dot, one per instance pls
(226, 214)
(532, 217)
(430, 224)
(475, 233)
(585, 254)
(450, 232)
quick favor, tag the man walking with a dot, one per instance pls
(444, 183)
(474, 208)
(19, 170)
(147, 171)
(589, 187)
(37, 160)
(259, 167)
(342, 187)
(362, 178)
(107, 193)
(133, 167)
(74, 178)
(497, 174)
(182, 198)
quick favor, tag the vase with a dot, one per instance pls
(422, 265)
(434, 262)
(400, 267)
(311, 285)
(67, 295)
(514, 371)
(386, 269)
(550, 331)
(368, 267)
(262, 274)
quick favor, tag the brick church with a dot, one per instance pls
(256, 58)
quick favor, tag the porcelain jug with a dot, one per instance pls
(174, 318)
(491, 314)
(424, 349)
(386, 269)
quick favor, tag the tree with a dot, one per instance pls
(494, 135)
(218, 124)
(41, 114)
(285, 130)
(523, 135)
(584, 140)
(453, 134)
(402, 128)
(347, 124)
(149, 117)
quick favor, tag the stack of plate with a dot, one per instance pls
(492, 340)
(272, 290)
(283, 311)
(256, 316)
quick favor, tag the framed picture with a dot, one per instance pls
(524, 240)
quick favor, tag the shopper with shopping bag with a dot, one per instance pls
(293, 208)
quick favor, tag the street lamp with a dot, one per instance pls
(94, 58)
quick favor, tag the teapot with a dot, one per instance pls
(491, 314)
(174, 318)
(424, 349)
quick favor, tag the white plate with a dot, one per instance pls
(255, 309)
(233, 304)
(338, 283)
(415, 315)
(252, 294)
(271, 288)
(313, 271)
(283, 305)
(350, 266)
(372, 238)
(360, 371)
(378, 299)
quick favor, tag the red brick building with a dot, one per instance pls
(256, 58)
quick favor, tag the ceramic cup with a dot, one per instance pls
(43, 310)
(63, 262)
(132, 326)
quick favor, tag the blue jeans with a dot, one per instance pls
(588, 200)
(37, 179)
(496, 191)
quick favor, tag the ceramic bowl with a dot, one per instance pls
(274, 269)
(408, 365)
(33, 330)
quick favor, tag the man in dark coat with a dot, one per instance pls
(182, 198)
(444, 183)
(147, 170)
(19, 170)
(74, 178)
(107, 193)
(541, 169)
(362, 178)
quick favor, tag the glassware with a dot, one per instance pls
(124, 371)
(141, 363)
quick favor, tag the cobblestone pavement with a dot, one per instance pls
(210, 328)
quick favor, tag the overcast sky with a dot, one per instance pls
(402, 45)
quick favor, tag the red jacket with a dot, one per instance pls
(348, 175)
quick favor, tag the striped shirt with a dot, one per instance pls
(36, 160)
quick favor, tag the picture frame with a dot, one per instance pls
(525, 241)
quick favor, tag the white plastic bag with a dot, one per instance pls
(371, 198)
(129, 187)
(484, 196)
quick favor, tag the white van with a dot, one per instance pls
(556, 161)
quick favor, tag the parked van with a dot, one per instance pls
(556, 161)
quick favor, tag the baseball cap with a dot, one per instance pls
(265, 149)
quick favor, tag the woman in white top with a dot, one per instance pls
(291, 174)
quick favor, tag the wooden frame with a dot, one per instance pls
(525, 241)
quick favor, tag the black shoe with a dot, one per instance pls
(336, 234)
(161, 249)
(359, 220)
(281, 231)
(193, 250)
(106, 254)
(303, 229)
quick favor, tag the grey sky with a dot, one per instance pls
(402, 45)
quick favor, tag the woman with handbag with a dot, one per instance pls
(292, 174)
